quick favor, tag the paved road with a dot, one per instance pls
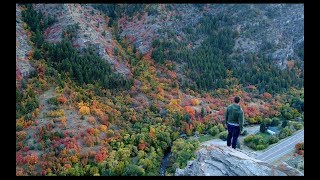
(282, 148)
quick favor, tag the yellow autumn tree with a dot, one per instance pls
(195, 102)
(64, 121)
(174, 106)
(103, 128)
(152, 132)
(83, 108)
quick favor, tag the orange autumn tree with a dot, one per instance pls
(103, 128)
(267, 95)
(62, 99)
(190, 111)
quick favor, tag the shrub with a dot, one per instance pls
(223, 135)
(297, 126)
(275, 121)
(299, 146)
(285, 132)
(53, 101)
(267, 121)
(273, 139)
(259, 119)
(221, 127)
(258, 139)
(214, 131)
(252, 120)
(256, 142)
(199, 127)
(183, 151)
(248, 138)
(261, 146)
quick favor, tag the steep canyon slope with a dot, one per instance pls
(107, 89)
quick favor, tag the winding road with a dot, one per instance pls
(281, 148)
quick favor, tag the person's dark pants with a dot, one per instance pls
(233, 133)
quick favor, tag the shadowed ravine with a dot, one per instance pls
(164, 162)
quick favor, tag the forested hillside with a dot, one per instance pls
(109, 89)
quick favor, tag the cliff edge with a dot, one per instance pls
(216, 160)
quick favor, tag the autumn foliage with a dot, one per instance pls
(92, 129)
(83, 109)
(267, 95)
(195, 102)
(190, 111)
(62, 99)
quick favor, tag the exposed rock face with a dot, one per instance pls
(225, 161)
(93, 30)
(23, 67)
(276, 30)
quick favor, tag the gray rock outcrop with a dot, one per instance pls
(225, 161)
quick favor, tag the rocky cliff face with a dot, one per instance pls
(23, 48)
(93, 30)
(276, 30)
(224, 161)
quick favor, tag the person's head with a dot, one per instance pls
(237, 99)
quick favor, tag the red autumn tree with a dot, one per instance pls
(62, 99)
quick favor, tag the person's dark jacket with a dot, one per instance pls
(234, 114)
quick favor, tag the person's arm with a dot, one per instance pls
(241, 118)
(226, 115)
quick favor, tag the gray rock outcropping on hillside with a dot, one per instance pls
(225, 161)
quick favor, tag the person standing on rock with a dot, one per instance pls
(234, 122)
